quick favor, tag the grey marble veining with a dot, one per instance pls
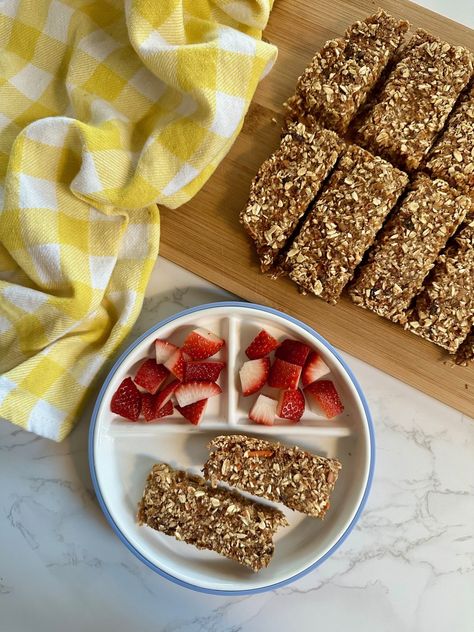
(407, 567)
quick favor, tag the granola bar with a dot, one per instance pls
(444, 310)
(407, 248)
(341, 75)
(343, 223)
(452, 157)
(289, 475)
(465, 353)
(420, 36)
(284, 187)
(415, 101)
(185, 506)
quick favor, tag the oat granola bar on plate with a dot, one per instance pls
(217, 519)
(286, 474)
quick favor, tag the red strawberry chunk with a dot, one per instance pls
(261, 345)
(193, 412)
(166, 410)
(127, 400)
(164, 396)
(314, 369)
(151, 376)
(150, 411)
(192, 392)
(199, 371)
(323, 396)
(148, 406)
(163, 350)
(175, 364)
(284, 374)
(253, 375)
(201, 344)
(291, 405)
(293, 351)
(263, 411)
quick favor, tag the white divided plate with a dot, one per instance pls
(122, 453)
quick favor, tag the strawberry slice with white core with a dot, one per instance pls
(201, 344)
(291, 405)
(314, 369)
(284, 374)
(193, 412)
(151, 376)
(322, 396)
(163, 350)
(253, 375)
(164, 396)
(202, 371)
(261, 345)
(263, 411)
(127, 400)
(292, 351)
(191, 392)
(175, 364)
(150, 410)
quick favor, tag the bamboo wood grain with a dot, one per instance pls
(205, 236)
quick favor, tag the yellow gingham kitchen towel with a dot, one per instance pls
(106, 108)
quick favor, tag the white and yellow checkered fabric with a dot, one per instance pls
(106, 108)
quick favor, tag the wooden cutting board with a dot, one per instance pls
(205, 236)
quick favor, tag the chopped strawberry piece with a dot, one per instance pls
(164, 396)
(163, 350)
(175, 364)
(323, 396)
(314, 369)
(151, 376)
(148, 406)
(201, 344)
(127, 400)
(192, 392)
(291, 405)
(150, 411)
(263, 411)
(261, 345)
(199, 371)
(284, 374)
(293, 351)
(253, 375)
(166, 410)
(193, 412)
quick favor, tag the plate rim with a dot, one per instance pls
(122, 537)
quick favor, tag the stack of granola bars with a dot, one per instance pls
(372, 187)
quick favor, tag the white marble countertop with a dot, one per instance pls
(407, 567)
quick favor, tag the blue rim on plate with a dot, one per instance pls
(119, 533)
